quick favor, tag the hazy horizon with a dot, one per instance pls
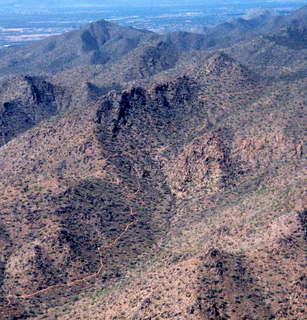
(23, 21)
(31, 4)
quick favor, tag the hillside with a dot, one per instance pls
(81, 86)
(161, 180)
(97, 43)
(243, 29)
(103, 56)
(102, 42)
(24, 102)
(197, 144)
(275, 56)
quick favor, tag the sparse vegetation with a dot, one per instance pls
(204, 156)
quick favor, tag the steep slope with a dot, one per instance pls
(239, 207)
(277, 55)
(102, 42)
(97, 43)
(24, 102)
(280, 52)
(292, 37)
(241, 29)
(213, 285)
(209, 159)
(28, 100)
(94, 81)
(297, 18)
(102, 57)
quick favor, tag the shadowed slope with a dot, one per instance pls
(25, 101)
(211, 158)
(97, 43)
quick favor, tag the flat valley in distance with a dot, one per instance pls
(19, 25)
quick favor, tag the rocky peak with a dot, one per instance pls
(220, 63)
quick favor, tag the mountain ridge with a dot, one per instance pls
(167, 183)
(96, 43)
(102, 41)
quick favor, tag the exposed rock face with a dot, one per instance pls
(260, 148)
(201, 167)
(25, 102)
(95, 168)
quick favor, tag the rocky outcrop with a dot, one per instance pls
(190, 162)
(25, 101)
(202, 167)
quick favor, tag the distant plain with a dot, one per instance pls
(20, 25)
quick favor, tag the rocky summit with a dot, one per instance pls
(148, 176)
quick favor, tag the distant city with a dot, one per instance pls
(20, 24)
